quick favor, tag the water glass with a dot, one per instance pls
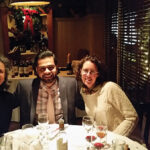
(43, 120)
(118, 144)
(87, 123)
(25, 126)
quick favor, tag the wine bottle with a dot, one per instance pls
(30, 69)
(69, 67)
(15, 68)
(25, 68)
(21, 69)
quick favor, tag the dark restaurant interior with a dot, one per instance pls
(117, 31)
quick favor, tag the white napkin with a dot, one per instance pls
(36, 145)
(20, 145)
(31, 138)
(25, 139)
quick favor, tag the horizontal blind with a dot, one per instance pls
(135, 48)
(111, 32)
(128, 28)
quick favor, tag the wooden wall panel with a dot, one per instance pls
(72, 34)
(4, 26)
(50, 29)
(96, 36)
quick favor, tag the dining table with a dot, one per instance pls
(37, 138)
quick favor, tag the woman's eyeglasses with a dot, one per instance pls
(86, 72)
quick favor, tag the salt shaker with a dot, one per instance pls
(61, 124)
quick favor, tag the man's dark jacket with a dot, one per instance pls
(27, 92)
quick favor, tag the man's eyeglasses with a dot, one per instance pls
(43, 68)
(86, 72)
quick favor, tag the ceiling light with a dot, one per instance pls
(29, 2)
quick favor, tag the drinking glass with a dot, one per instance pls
(101, 132)
(118, 144)
(43, 126)
(29, 125)
(43, 120)
(87, 123)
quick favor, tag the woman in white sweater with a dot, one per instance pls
(105, 101)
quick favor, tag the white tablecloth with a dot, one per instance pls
(23, 139)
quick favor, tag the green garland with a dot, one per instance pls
(18, 16)
(25, 37)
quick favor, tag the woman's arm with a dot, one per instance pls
(121, 102)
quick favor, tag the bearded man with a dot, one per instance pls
(48, 93)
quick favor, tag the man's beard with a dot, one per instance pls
(48, 80)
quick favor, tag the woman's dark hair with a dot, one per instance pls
(102, 73)
(6, 63)
(42, 55)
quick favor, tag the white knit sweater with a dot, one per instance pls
(109, 105)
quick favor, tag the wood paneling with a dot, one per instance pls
(69, 35)
(4, 25)
(50, 29)
(72, 34)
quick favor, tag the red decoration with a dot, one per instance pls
(89, 138)
(99, 145)
(28, 20)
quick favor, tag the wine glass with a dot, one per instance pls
(101, 132)
(43, 126)
(87, 123)
(28, 125)
(43, 120)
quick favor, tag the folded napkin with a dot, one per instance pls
(34, 138)
(26, 139)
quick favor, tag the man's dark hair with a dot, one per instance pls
(41, 55)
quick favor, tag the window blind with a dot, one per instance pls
(132, 30)
(111, 32)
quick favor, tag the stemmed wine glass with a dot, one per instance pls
(87, 123)
(43, 126)
(101, 132)
(43, 120)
